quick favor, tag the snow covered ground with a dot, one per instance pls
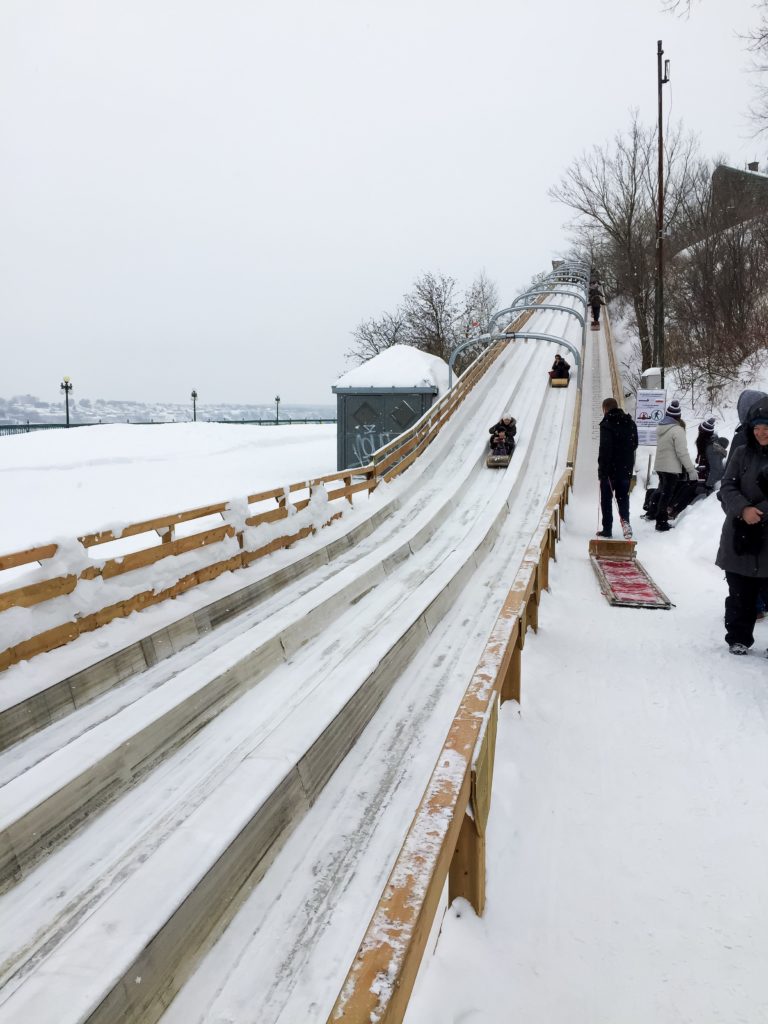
(627, 840)
(64, 483)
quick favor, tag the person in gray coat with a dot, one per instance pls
(743, 551)
(672, 459)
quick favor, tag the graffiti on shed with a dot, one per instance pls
(369, 418)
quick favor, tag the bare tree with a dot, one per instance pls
(481, 300)
(431, 311)
(757, 43)
(372, 336)
(434, 317)
(613, 190)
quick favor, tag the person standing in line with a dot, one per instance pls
(743, 551)
(672, 459)
(716, 455)
(615, 462)
(704, 439)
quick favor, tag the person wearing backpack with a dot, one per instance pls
(615, 462)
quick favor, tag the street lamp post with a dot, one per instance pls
(194, 406)
(277, 408)
(66, 387)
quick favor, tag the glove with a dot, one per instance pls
(693, 476)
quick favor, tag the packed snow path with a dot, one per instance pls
(404, 614)
(628, 838)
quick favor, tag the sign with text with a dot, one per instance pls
(649, 412)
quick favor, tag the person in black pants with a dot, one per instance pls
(743, 551)
(615, 462)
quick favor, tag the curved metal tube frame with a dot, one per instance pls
(551, 305)
(533, 335)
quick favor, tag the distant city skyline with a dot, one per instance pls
(214, 195)
(22, 408)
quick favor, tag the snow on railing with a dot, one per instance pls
(74, 591)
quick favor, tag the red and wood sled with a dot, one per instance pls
(623, 580)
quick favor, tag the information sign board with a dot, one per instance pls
(649, 412)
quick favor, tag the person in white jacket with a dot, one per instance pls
(672, 459)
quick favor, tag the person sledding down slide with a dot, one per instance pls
(560, 369)
(502, 441)
(503, 435)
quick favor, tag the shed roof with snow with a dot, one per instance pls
(383, 397)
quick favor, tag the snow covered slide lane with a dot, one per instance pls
(482, 443)
(466, 517)
(289, 948)
(49, 800)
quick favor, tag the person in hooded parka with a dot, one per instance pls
(747, 400)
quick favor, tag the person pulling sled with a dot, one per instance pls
(596, 300)
(615, 463)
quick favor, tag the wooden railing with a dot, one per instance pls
(233, 531)
(446, 839)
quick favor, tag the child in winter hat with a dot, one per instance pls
(674, 410)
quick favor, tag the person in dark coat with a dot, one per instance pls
(743, 551)
(615, 462)
(704, 439)
(596, 300)
(716, 455)
(560, 369)
(503, 434)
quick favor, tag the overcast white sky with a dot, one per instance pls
(213, 193)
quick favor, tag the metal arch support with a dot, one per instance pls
(538, 336)
(533, 305)
(553, 291)
(468, 344)
(551, 305)
(497, 316)
(533, 335)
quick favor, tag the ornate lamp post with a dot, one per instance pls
(194, 406)
(277, 408)
(66, 387)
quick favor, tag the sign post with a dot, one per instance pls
(649, 412)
